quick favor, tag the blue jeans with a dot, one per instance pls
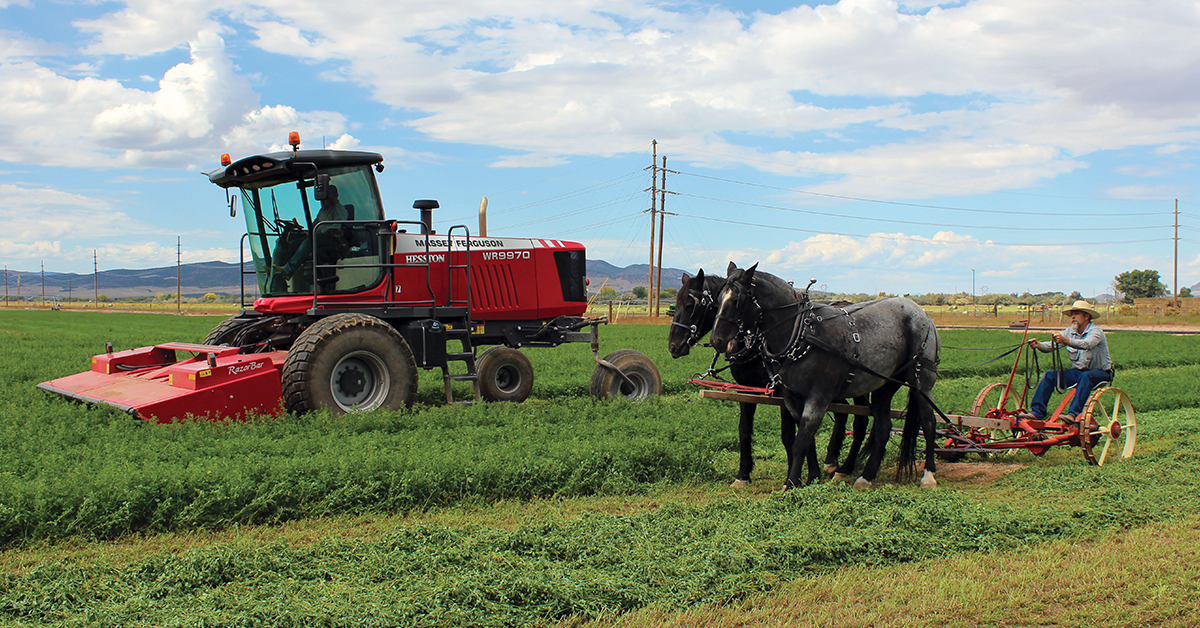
(1084, 382)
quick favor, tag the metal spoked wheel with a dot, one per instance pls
(1108, 419)
(359, 380)
(987, 399)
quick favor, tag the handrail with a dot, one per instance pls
(389, 300)
(242, 268)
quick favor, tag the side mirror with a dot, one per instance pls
(321, 187)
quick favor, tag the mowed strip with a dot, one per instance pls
(1145, 576)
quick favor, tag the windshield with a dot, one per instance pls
(280, 219)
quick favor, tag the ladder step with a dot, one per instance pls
(468, 377)
(459, 356)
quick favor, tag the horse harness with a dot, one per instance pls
(804, 338)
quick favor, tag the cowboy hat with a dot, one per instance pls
(1082, 306)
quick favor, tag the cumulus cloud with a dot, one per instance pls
(200, 109)
(1028, 86)
(898, 262)
(972, 96)
(42, 222)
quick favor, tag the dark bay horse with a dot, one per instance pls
(695, 313)
(821, 353)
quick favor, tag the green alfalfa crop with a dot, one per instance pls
(676, 556)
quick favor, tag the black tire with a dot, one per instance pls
(349, 363)
(640, 369)
(505, 374)
(225, 331)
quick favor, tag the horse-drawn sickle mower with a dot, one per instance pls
(1105, 430)
(354, 303)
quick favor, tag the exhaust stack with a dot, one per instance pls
(426, 206)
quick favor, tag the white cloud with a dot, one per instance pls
(899, 263)
(977, 96)
(146, 27)
(41, 213)
(201, 109)
(1147, 192)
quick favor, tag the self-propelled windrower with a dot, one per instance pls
(354, 303)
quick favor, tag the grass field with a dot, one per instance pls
(563, 510)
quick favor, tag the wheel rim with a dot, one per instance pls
(636, 390)
(507, 379)
(989, 399)
(359, 382)
(1106, 426)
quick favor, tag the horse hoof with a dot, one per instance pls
(831, 468)
(841, 477)
(927, 481)
(740, 484)
(862, 483)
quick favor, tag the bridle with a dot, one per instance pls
(703, 301)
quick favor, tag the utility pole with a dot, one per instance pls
(178, 278)
(95, 278)
(1175, 294)
(662, 212)
(653, 211)
(6, 285)
(43, 282)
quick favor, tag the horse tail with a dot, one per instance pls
(906, 467)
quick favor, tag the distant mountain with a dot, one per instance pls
(601, 273)
(222, 278)
(194, 280)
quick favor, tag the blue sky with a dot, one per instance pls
(906, 147)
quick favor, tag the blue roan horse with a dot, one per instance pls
(695, 313)
(821, 353)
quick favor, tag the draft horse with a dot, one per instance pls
(695, 313)
(819, 353)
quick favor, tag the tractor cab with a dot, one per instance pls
(307, 211)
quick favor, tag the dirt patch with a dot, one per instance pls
(975, 473)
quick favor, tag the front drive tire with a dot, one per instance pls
(227, 330)
(505, 374)
(349, 363)
(639, 368)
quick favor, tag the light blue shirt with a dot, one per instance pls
(1087, 350)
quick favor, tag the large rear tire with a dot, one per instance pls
(505, 374)
(644, 379)
(349, 363)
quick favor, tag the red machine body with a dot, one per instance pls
(150, 383)
(511, 279)
(354, 303)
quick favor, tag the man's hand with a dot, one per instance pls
(1059, 338)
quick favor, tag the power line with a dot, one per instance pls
(863, 176)
(625, 178)
(919, 205)
(925, 240)
(583, 210)
(905, 222)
